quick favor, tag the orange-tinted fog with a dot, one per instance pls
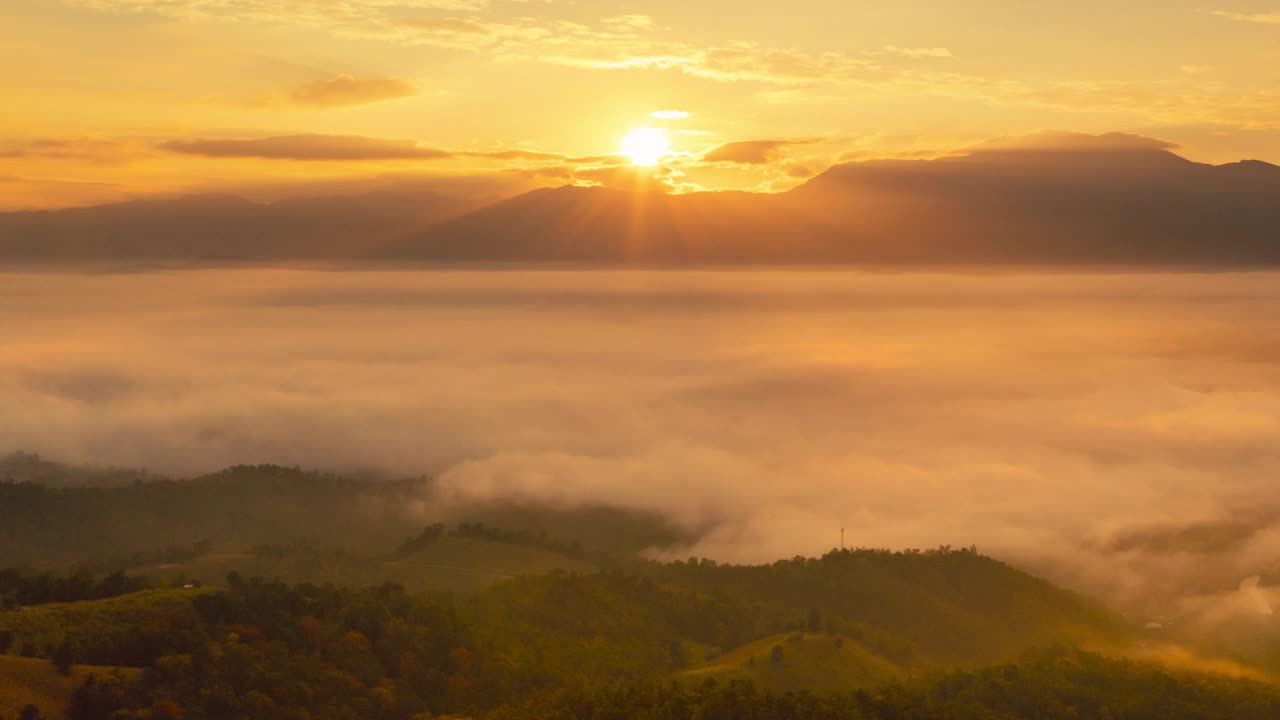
(1117, 432)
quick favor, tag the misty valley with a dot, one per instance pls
(639, 360)
(593, 494)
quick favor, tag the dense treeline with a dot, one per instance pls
(24, 587)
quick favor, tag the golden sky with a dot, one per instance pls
(111, 99)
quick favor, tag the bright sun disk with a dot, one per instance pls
(646, 146)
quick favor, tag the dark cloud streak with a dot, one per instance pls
(308, 148)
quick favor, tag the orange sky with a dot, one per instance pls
(111, 99)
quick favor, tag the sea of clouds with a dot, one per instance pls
(1117, 432)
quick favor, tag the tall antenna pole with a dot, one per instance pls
(842, 539)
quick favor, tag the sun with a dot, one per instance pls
(646, 146)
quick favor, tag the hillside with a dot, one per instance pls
(123, 630)
(935, 607)
(518, 647)
(817, 662)
(170, 522)
(34, 681)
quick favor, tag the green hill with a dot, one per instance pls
(815, 662)
(941, 607)
(33, 681)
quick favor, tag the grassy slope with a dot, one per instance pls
(51, 624)
(31, 681)
(452, 564)
(811, 661)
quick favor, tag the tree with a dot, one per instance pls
(6, 641)
(815, 620)
(30, 712)
(62, 658)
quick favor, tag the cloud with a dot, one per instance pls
(1270, 18)
(669, 115)
(461, 26)
(513, 155)
(98, 151)
(750, 152)
(308, 147)
(625, 44)
(1082, 425)
(631, 22)
(1116, 432)
(348, 90)
(937, 52)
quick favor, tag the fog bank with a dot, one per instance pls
(1118, 432)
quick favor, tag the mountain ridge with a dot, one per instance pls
(1095, 205)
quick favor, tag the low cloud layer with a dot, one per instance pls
(308, 147)
(1117, 432)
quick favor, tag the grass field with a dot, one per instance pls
(810, 661)
(31, 681)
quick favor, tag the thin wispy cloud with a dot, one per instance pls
(635, 22)
(924, 52)
(347, 90)
(308, 148)
(1267, 18)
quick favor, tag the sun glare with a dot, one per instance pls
(646, 146)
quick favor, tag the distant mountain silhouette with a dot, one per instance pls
(1104, 202)
(1016, 205)
(222, 227)
(1087, 206)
